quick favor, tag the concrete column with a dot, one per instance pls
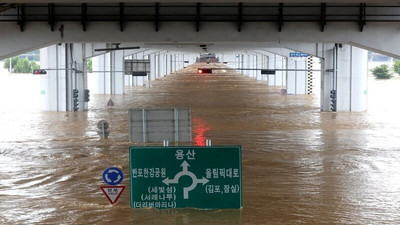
(66, 66)
(153, 69)
(107, 77)
(117, 79)
(163, 65)
(127, 79)
(253, 66)
(301, 76)
(140, 81)
(297, 79)
(347, 74)
(97, 79)
(157, 69)
(246, 64)
(263, 65)
(259, 65)
(271, 65)
(170, 63)
(53, 85)
(284, 73)
(106, 73)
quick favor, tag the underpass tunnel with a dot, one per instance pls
(336, 74)
(285, 81)
(306, 58)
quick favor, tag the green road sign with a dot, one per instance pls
(180, 177)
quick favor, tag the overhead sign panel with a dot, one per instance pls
(180, 177)
(139, 74)
(137, 66)
(157, 125)
(268, 71)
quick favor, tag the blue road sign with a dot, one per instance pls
(113, 176)
(297, 54)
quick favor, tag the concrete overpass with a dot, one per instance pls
(257, 31)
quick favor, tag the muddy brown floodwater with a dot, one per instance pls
(300, 166)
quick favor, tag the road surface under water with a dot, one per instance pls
(300, 166)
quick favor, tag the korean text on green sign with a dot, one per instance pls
(180, 177)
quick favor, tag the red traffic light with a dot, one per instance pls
(204, 70)
(39, 71)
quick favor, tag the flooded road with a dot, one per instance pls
(300, 166)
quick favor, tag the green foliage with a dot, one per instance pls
(14, 61)
(21, 65)
(89, 65)
(396, 67)
(382, 72)
(34, 66)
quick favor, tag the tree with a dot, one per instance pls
(34, 66)
(396, 67)
(382, 72)
(14, 61)
(89, 65)
(23, 66)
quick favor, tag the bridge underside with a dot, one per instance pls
(31, 26)
(252, 35)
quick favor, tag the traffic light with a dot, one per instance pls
(333, 100)
(76, 100)
(86, 95)
(204, 70)
(39, 72)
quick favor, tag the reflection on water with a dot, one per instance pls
(199, 128)
(300, 166)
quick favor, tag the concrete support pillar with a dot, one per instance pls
(117, 79)
(139, 81)
(297, 79)
(97, 79)
(173, 63)
(258, 66)
(157, 69)
(108, 76)
(169, 64)
(253, 66)
(245, 64)
(53, 85)
(128, 79)
(280, 75)
(153, 68)
(271, 65)
(347, 73)
(163, 65)
(66, 66)
(262, 65)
